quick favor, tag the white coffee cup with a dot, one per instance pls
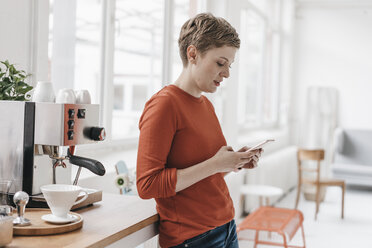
(66, 96)
(43, 92)
(61, 197)
(82, 97)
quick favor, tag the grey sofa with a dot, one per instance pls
(352, 159)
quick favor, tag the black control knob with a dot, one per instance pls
(70, 135)
(71, 113)
(81, 113)
(97, 133)
(71, 124)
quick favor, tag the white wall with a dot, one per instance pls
(15, 32)
(333, 49)
(24, 36)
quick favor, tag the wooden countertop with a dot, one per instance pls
(112, 219)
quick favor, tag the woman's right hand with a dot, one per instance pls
(226, 160)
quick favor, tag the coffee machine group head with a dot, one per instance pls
(39, 140)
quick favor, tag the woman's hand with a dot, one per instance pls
(256, 154)
(226, 160)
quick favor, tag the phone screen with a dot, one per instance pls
(259, 145)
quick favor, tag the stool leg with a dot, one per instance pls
(261, 201)
(285, 241)
(268, 204)
(256, 239)
(267, 201)
(303, 235)
(343, 200)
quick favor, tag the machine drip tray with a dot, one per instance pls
(38, 201)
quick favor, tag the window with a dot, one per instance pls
(258, 96)
(78, 53)
(123, 51)
(137, 61)
(74, 45)
(252, 33)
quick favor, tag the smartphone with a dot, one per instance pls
(259, 145)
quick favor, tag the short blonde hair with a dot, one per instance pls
(206, 31)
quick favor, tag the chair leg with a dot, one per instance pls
(343, 200)
(317, 200)
(298, 195)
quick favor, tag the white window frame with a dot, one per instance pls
(265, 70)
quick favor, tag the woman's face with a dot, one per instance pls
(209, 69)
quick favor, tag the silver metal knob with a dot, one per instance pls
(20, 199)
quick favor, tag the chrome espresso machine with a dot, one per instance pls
(37, 145)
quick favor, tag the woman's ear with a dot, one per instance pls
(191, 54)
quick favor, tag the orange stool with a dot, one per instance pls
(285, 222)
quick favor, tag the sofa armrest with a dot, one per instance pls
(339, 140)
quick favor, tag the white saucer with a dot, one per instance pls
(59, 220)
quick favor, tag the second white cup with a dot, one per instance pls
(66, 96)
(82, 97)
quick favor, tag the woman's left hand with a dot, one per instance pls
(253, 163)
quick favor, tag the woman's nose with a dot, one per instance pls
(225, 73)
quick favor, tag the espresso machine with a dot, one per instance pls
(37, 145)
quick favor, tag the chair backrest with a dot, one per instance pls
(306, 154)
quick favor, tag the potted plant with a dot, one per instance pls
(12, 82)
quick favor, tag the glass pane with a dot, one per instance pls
(119, 97)
(181, 15)
(74, 47)
(137, 61)
(261, 5)
(250, 67)
(88, 47)
(139, 96)
(271, 86)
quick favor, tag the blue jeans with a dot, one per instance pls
(221, 237)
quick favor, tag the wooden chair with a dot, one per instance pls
(318, 182)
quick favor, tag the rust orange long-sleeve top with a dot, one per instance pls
(178, 130)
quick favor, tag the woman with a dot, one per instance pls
(182, 153)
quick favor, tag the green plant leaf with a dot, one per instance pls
(12, 85)
(12, 70)
(6, 63)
